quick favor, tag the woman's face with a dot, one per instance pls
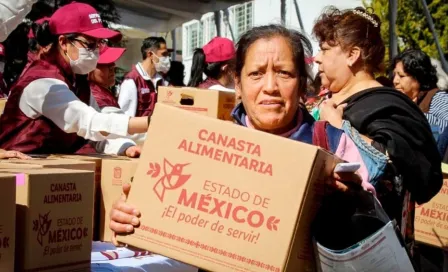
(269, 85)
(404, 82)
(334, 69)
(104, 75)
(71, 47)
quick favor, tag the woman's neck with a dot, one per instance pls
(359, 82)
(285, 131)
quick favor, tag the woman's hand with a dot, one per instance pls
(13, 155)
(123, 217)
(344, 181)
(133, 151)
(332, 113)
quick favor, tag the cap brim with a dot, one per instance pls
(102, 33)
(111, 55)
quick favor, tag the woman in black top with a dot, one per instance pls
(389, 129)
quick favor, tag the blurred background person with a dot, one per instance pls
(138, 92)
(416, 77)
(216, 61)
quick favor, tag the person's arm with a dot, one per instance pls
(127, 99)
(12, 13)
(53, 99)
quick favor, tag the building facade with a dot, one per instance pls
(237, 19)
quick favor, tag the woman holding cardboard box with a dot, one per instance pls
(270, 77)
(46, 112)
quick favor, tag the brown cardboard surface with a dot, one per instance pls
(7, 221)
(114, 174)
(213, 103)
(226, 198)
(97, 159)
(2, 105)
(54, 219)
(67, 162)
(431, 219)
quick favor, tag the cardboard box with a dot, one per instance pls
(431, 219)
(49, 163)
(213, 103)
(2, 105)
(7, 221)
(54, 219)
(115, 173)
(224, 197)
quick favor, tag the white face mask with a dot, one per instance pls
(164, 64)
(86, 62)
(2, 66)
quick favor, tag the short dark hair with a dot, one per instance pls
(348, 29)
(151, 44)
(300, 46)
(418, 65)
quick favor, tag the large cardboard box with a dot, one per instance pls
(54, 219)
(7, 221)
(431, 219)
(213, 103)
(115, 173)
(224, 197)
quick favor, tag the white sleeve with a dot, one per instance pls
(53, 99)
(114, 146)
(12, 13)
(127, 99)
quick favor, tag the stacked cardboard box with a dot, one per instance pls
(54, 219)
(7, 221)
(212, 103)
(115, 173)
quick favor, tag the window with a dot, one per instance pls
(194, 37)
(209, 28)
(243, 19)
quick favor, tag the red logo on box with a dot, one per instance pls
(42, 226)
(117, 172)
(171, 179)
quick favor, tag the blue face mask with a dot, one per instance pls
(374, 160)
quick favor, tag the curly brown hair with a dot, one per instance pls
(350, 28)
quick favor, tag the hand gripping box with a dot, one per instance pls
(226, 198)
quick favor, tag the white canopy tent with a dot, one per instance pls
(166, 15)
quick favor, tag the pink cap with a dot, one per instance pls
(2, 50)
(219, 49)
(80, 18)
(38, 22)
(110, 55)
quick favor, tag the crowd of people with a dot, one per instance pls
(395, 126)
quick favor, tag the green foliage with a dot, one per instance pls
(412, 28)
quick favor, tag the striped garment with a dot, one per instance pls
(438, 111)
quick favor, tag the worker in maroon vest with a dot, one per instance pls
(138, 92)
(217, 61)
(3, 88)
(45, 113)
(101, 80)
(103, 77)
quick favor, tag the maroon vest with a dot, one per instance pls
(208, 83)
(40, 135)
(103, 96)
(146, 93)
